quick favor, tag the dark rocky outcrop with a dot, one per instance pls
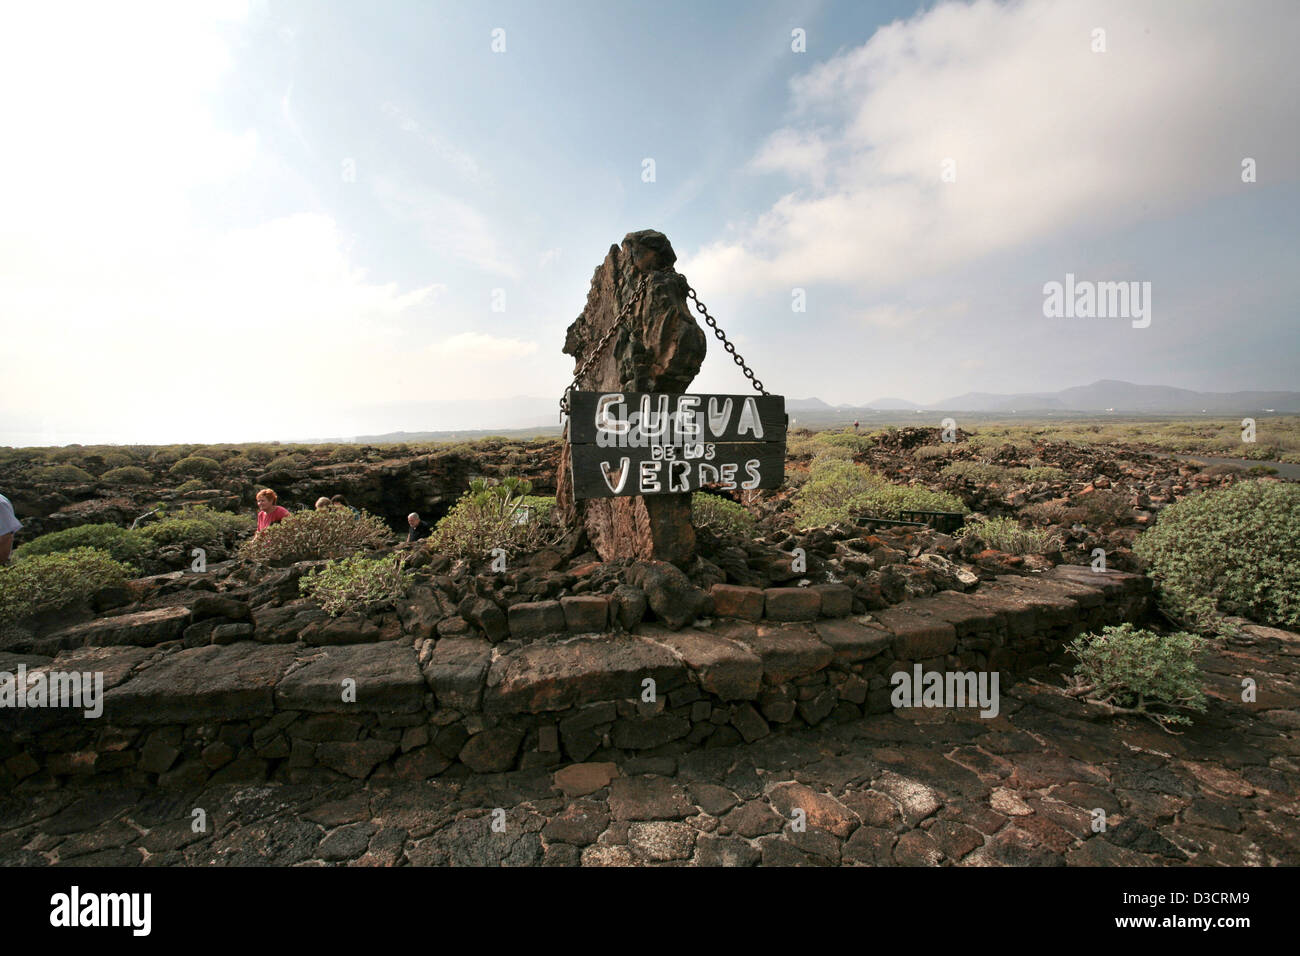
(659, 349)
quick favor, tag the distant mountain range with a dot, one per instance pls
(1106, 395)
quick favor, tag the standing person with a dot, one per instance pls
(268, 512)
(8, 525)
(419, 529)
(855, 428)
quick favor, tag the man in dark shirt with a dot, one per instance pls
(419, 529)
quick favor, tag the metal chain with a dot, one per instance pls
(722, 336)
(600, 346)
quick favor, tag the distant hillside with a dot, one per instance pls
(806, 405)
(1109, 394)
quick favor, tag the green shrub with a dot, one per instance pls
(284, 463)
(1234, 550)
(194, 526)
(118, 543)
(721, 515)
(238, 463)
(195, 466)
(357, 583)
(117, 459)
(1006, 534)
(64, 473)
(127, 475)
(977, 471)
(227, 523)
(1043, 473)
(313, 535)
(168, 454)
(539, 507)
(47, 582)
(1103, 506)
(1138, 669)
(194, 484)
(190, 532)
(801, 444)
(836, 490)
(856, 444)
(491, 516)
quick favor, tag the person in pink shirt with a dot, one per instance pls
(268, 512)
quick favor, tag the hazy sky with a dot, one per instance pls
(283, 220)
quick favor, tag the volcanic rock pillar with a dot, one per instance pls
(659, 348)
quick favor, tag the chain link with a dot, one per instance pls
(600, 346)
(722, 336)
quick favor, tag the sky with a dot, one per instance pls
(265, 220)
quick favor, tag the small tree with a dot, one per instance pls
(1130, 670)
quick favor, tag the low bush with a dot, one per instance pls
(802, 444)
(1103, 506)
(1232, 550)
(977, 471)
(195, 466)
(1007, 534)
(118, 543)
(1043, 473)
(357, 583)
(855, 443)
(837, 490)
(314, 535)
(188, 487)
(127, 475)
(53, 581)
(493, 516)
(63, 473)
(284, 463)
(117, 459)
(1137, 669)
(168, 454)
(721, 515)
(194, 526)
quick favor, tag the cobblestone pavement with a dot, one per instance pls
(917, 787)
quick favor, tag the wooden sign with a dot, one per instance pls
(645, 443)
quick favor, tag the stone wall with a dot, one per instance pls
(180, 717)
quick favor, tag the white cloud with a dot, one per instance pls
(481, 347)
(449, 226)
(455, 158)
(137, 316)
(1047, 136)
